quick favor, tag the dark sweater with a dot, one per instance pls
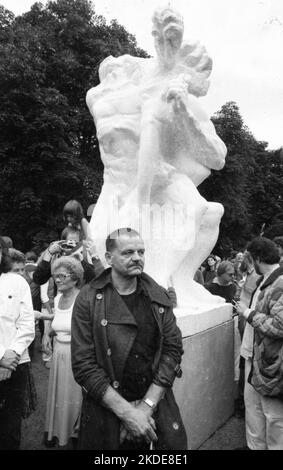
(227, 292)
(208, 276)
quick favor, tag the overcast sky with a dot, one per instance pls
(244, 39)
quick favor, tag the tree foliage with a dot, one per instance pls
(49, 153)
(250, 186)
(49, 59)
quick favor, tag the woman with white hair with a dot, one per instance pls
(64, 396)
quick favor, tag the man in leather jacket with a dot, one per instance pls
(126, 353)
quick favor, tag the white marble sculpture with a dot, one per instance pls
(157, 146)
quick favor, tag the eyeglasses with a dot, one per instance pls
(61, 276)
(230, 274)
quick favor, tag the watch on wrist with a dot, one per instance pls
(149, 403)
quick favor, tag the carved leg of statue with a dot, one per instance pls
(149, 157)
(205, 241)
(206, 237)
(175, 223)
(182, 193)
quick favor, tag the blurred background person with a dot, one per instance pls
(223, 284)
(237, 265)
(17, 261)
(239, 277)
(209, 272)
(73, 216)
(30, 257)
(218, 261)
(64, 396)
(232, 257)
(37, 293)
(42, 299)
(198, 277)
(8, 241)
(250, 279)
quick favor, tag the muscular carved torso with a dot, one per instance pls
(116, 112)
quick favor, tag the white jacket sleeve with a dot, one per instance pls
(25, 321)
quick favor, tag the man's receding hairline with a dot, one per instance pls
(126, 235)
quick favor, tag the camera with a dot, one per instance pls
(67, 245)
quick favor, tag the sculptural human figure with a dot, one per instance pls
(116, 111)
(157, 146)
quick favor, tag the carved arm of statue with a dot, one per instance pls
(195, 136)
(196, 130)
(167, 31)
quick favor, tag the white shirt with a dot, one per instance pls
(16, 315)
(61, 323)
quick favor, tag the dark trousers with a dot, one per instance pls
(32, 344)
(12, 396)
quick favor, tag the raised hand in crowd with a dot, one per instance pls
(90, 247)
(53, 249)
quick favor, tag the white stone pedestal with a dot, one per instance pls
(205, 392)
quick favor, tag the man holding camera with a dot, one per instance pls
(70, 246)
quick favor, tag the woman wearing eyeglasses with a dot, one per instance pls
(64, 396)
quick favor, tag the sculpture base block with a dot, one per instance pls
(205, 393)
(193, 323)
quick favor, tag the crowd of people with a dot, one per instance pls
(253, 282)
(110, 340)
(40, 290)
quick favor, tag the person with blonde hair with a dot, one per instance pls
(64, 396)
(223, 284)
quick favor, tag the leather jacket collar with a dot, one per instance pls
(155, 292)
